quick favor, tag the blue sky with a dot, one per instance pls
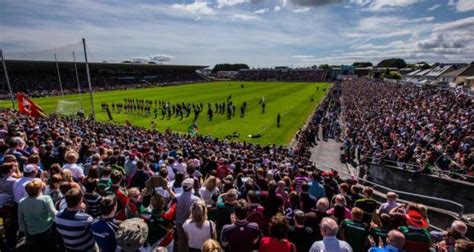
(257, 32)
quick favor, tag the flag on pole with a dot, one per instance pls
(27, 106)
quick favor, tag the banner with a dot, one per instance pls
(27, 106)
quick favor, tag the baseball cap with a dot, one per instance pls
(132, 234)
(29, 168)
(188, 184)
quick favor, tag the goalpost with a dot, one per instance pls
(62, 59)
(67, 108)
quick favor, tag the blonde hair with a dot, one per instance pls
(71, 156)
(209, 180)
(133, 191)
(67, 175)
(211, 245)
(198, 213)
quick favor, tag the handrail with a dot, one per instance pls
(458, 205)
(438, 170)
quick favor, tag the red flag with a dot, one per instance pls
(27, 106)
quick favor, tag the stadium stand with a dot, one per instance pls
(425, 126)
(282, 74)
(95, 175)
(39, 78)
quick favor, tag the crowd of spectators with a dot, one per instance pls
(77, 185)
(286, 74)
(46, 83)
(324, 122)
(428, 127)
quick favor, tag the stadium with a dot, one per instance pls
(329, 149)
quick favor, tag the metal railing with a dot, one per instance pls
(457, 205)
(414, 167)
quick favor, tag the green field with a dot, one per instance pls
(291, 100)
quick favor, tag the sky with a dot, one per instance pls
(260, 33)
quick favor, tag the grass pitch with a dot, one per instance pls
(294, 101)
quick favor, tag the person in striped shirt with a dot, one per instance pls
(74, 225)
(92, 198)
(105, 228)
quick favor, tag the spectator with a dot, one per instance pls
(73, 225)
(36, 217)
(329, 230)
(395, 242)
(6, 183)
(104, 228)
(278, 229)
(339, 210)
(198, 229)
(416, 233)
(307, 201)
(124, 209)
(211, 246)
(160, 223)
(354, 231)
(390, 204)
(130, 165)
(29, 174)
(183, 206)
(76, 170)
(131, 235)
(242, 235)
(208, 190)
(140, 176)
(225, 208)
(92, 198)
(315, 188)
(379, 233)
(367, 204)
(313, 218)
(271, 201)
(299, 234)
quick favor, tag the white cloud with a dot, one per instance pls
(302, 10)
(462, 5)
(277, 8)
(199, 8)
(261, 11)
(434, 7)
(224, 3)
(246, 17)
(387, 26)
(465, 23)
(303, 56)
(384, 5)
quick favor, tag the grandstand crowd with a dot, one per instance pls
(71, 184)
(286, 74)
(46, 83)
(429, 127)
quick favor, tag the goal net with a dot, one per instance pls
(67, 108)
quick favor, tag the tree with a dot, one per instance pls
(362, 64)
(229, 67)
(392, 75)
(394, 62)
(325, 67)
(127, 61)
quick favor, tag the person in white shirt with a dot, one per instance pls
(209, 189)
(180, 165)
(29, 174)
(329, 230)
(76, 170)
(198, 229)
